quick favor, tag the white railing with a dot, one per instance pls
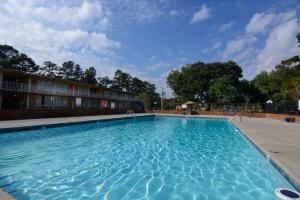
(36, 88)
(15, 86)
(18, 86)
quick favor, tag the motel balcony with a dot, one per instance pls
(14, 86)
(24, 87)
(50, 90)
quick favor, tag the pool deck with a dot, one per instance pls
(280, 141)
(5, 196)
(13, 125)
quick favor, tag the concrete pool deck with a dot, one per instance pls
(280, 141)
(14, 125)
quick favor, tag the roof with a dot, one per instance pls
(189, 102)
(20, 73)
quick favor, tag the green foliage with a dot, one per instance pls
(146, 99)
(121, 81)
(206, 82)
(50, 69)
(280, 84)
(11, 58)
(223, 90)
(104, 81)
(89, 76)
(291, 88)
(71, 71)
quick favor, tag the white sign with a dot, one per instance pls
(269, 101)
(112, 105)
(78, 101)
(183, 106)
(298, 104)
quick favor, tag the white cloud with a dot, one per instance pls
(215, 46)
(237, 45)
(261, 22)
(86, 13)
(280, 44)
(279, 39)
(202, 14)
(136, 10)
(157, 66)
(226, 26)
(58, 33)
(174, 13)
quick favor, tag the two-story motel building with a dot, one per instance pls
(21, 91)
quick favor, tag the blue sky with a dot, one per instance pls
(150, 38)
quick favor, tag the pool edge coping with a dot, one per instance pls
(5, 195)
(284, 172)
(277, 164)
(52, 125)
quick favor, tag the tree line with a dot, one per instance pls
(13, 59)
(222, 83)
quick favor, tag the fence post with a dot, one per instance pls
(1, 80)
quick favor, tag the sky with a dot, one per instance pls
(149, 38)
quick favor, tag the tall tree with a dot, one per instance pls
(89, 76)
(49, 69)
(291, 88)
(104, 81)
(282, 83)
(194, 82)
(121, 81)
(138, 86)
(11, 58)
(71, 71)
(223, 90)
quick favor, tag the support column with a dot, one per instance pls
(28, 94)
(54, 87)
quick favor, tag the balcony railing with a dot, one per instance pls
(23, 87)
(49, 90)
(14, 86)
(38, 89)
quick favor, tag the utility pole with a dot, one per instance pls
(162, 98)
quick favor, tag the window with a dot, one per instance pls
(43, 101)
(104, 104)
(78, 102)
(83, 91)
(112, 105)
(61, 88)
(93, 91)
(45, 85)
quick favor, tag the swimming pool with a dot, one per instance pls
(150, 157)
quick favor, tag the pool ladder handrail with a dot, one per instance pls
(130, 113)
(235, 116)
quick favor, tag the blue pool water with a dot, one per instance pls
(142, 158)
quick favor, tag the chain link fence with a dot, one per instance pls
(288, 107)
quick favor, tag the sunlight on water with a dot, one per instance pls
(142, 158)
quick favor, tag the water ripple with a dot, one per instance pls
(145, 158)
